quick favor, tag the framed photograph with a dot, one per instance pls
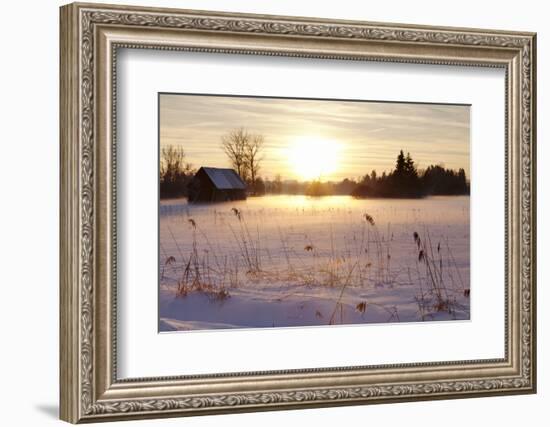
(266, 212)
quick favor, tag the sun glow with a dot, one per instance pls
(313, 158)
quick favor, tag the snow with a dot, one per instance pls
(282, 261)
(225, 179)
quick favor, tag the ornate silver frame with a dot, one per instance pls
(90, 36)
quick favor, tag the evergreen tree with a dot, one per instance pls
(464, 186)
(410, 168)
(373, 175)
(400, 164)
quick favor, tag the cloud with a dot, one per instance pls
(371, 133)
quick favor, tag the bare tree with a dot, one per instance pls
(244, 152)
(253, 157)
(174, 171)
(171, 160)
(234, 145)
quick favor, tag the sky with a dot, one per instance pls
(318, 139)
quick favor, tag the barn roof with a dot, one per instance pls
(225, 179)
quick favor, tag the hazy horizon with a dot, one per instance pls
(331, 138)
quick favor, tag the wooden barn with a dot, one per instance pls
(216, 185)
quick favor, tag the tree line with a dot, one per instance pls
(407, 182)
(404, 181)
(244, 151)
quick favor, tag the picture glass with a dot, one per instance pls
(289, 212)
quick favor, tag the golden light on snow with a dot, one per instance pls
(313, 158)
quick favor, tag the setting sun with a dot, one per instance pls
(313, 158)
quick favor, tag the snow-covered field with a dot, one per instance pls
(278, 261)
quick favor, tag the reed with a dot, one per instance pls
(435, 293)
(360, 258)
